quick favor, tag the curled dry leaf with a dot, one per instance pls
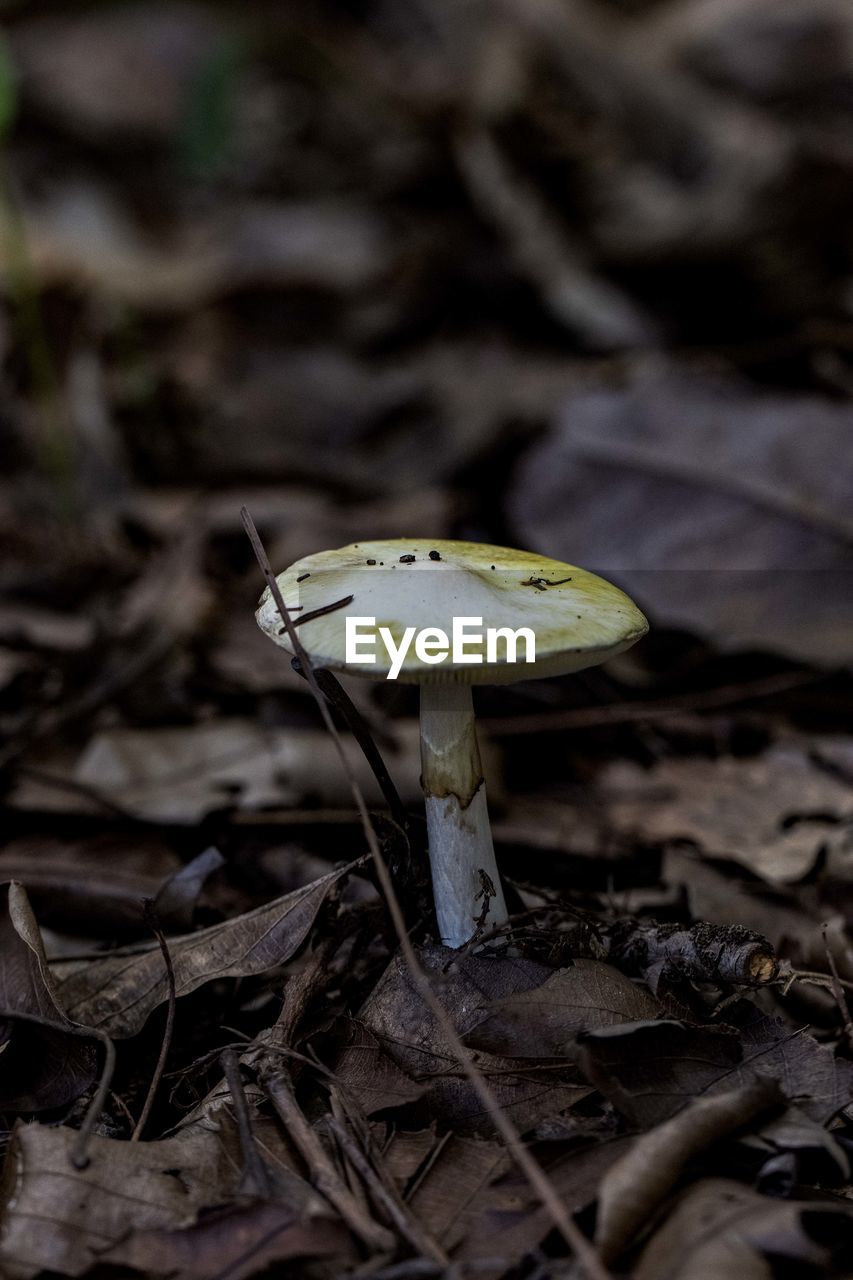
(796, 1135)
(118, 993)
(42, 1067)
(720, 1229)
(545, 1022)
(633, 1188)
(176, 900)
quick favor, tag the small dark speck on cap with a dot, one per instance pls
(493, 566)
(433, 555)
(382, 562)
(407, 559)
(303, 576)
(371, 562)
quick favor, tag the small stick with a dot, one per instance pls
(838, 989)
(324, 1175)
(790, 976)
(323, 610)
(393, 1207)
(79, 1157)
(255, 1174)
(355, 722)
(151, 920)
(629, 712)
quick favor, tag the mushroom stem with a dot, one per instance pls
(465, 881)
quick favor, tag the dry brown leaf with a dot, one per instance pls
(444, 1179)
(237, 1240)
(407, 1031)
(756, 548)
(797, 1135)
(370, 1075)
(61, 1219)
(719, 1229)
(118, 993)
(545, 1022)
(650, 1070)
(454, 1190)
(774, 813)
(180, 775)
(511, 1220)
(407, 1152)
(58, 1218)
(632, 1189)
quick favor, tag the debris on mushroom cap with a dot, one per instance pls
(578, 618)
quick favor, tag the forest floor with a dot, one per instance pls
(481, 275)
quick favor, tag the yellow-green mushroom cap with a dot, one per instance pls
(578, 619)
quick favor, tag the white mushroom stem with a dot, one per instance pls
(465, 880)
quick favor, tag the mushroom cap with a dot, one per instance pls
(578, 619)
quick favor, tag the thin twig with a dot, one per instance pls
(838, 989)
(78, 1156)
(660, 709)
(504, 930)
(324, 1175)
(255, 1173)
(817, 979)
(392, 1206)
(355, 722)
(323, 610)
(151, 920)
(74, 787)
(533, 1172)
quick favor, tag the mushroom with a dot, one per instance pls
(395, 610)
